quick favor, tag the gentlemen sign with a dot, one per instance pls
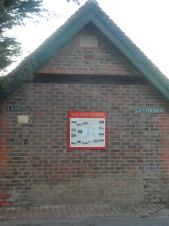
(150, 110)
(87, 130)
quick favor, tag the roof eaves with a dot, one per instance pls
(117, 37)
(61, 38)
(50, 46)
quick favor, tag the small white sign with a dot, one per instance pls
(23, 119)
(88, 41)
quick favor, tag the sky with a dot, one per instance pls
(145, 22)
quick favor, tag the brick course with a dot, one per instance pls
(36, 166)
(104, 59)
(40, 160)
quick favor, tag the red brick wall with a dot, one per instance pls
(35, 164)
(5, 150)
(103, 59)
(40, 168)
(164, 149)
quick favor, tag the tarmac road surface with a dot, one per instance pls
(94, 221)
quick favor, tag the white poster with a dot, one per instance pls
(87, 132)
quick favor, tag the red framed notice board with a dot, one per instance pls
(87, 130)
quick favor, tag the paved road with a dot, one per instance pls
(95, 221)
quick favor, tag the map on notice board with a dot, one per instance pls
(87, 130)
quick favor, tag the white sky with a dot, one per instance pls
(145, 22)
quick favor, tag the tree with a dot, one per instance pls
(13, 13)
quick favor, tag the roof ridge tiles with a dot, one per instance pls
(92, 1)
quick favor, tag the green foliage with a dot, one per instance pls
(12, 13)
(25, 72)
(8, 47)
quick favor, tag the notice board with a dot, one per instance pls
(87, 130)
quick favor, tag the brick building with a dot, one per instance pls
(87, 67)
